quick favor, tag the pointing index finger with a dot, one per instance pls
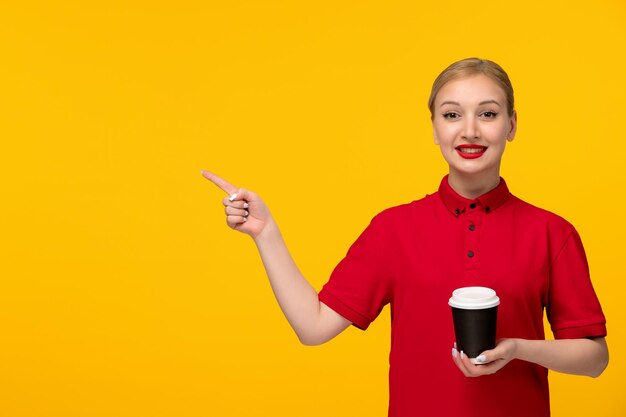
(220, 182)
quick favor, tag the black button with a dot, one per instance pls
(473, 205)
(487, 209)
(457, 211)
(470, 254)
(472, 227)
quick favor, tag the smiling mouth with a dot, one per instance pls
(471, 151)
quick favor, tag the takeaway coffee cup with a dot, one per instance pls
(474, 312)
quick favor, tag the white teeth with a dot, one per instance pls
(472, 150)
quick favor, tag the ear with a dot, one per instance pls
(513, 128)
(435, 136)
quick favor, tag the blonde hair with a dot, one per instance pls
(468, 67)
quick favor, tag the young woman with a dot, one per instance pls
(471, 232)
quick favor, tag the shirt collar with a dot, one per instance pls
(458, 204)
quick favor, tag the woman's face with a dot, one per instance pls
(471, 125)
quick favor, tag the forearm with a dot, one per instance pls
(313, 322)
(571, 356)
(296, 297)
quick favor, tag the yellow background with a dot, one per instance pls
(122, 291)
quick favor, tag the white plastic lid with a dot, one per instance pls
(474, 298)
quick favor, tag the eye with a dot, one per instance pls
(451, 115)
(489, 114)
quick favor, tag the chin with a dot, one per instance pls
(473, 168)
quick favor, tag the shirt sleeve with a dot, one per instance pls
(359, 286)
(574, 310)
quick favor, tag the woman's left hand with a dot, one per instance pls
(488, 362)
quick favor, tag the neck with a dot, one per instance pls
(473, 185)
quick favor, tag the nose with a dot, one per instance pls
(470, 129)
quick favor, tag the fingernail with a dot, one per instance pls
(245, 219)
(246, 205)
(245, 213)
(232, 197)
(455, 345)
(462, 355)
(455, 353)
(481, 358)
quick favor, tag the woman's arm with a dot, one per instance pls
(313, 321)
(571, 356)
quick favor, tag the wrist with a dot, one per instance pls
(269, 232)
(520, 349)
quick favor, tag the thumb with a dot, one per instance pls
(482, 359)
(241, 194)
(486, 357)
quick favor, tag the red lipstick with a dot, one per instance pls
(470, 151)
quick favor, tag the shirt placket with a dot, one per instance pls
(473, 225)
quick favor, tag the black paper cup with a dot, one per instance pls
(475, 313)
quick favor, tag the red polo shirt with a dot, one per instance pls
(413, 256)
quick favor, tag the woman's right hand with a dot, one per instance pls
(245, 211)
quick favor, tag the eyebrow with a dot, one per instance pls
(480, 104)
